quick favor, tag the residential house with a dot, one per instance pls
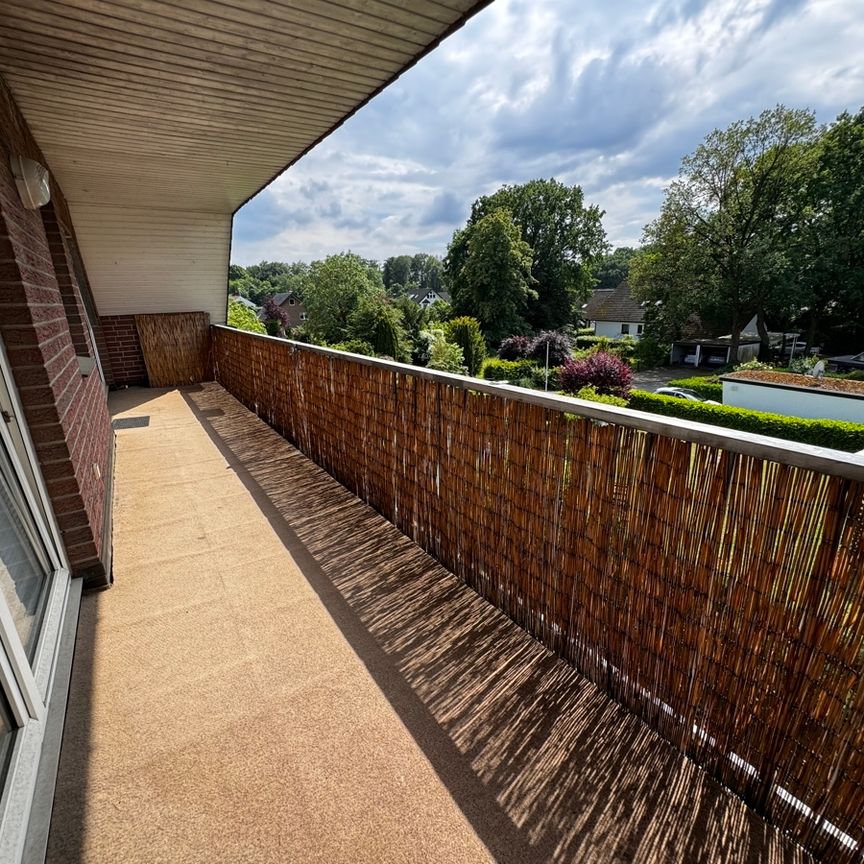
(614, 312)
(290, 303)
(428, 297)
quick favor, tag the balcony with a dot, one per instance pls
(284, 672)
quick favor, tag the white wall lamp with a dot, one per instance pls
(32, 180)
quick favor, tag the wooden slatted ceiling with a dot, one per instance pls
(144, 107)
(197, 101)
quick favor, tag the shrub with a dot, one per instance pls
(243, 318)
(465, 332)
(624, 347)
(495, 369)
(822, 433)
(803, 365)
(443, 355)
(537, 378)
(604, 343)
(275, 318)
(559, 345)
(585, 331)
(710, 387)
(590, 393)
(754, 364)
(514, 347)
(649, 353)
(355, 346)
(607, 373)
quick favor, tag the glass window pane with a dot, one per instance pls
(22, 576)
(7, 732)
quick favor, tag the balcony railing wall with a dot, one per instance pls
(710, 581)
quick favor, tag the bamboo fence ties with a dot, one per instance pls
(718, 594)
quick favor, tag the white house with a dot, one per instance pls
(427, 298)
(614, 312)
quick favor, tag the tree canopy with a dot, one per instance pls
(332, 291)
(566, 238)
(493, 281)
(614, 268)
(719, 248)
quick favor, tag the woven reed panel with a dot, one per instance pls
(718, 596)
(176, 347)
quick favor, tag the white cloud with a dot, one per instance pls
(609, 96)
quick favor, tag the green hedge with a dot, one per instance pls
(496, 369)
(710, 387)
(623, 348)
(822, 433)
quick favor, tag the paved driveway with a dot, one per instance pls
(651, 379)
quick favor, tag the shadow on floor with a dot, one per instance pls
(543, 765)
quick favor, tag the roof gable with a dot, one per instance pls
(615, 304)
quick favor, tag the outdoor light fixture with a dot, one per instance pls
(32, 180)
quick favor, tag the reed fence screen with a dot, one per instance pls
(718, 595)
(176, 347)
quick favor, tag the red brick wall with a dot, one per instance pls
(123, 351)
(66, 413)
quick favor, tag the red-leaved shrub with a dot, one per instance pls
(559, 345)
(514, 347)
(605, 372)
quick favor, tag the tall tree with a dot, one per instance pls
(465, 332)
(427, 272)
(828, 247)
(377, 321)
(332, 290)
(490, 267)
(718, 245)
(397, 274)
(612, 269)
(566, 238)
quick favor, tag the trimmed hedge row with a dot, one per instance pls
(496, 369)
(835, 434)
(709, 387)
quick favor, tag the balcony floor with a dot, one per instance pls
(278, 675)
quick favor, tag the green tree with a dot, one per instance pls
(415, 319)
(243, 318)
(566, 238)
(379, 322)
(612, 269)
(427, 272)
(465, 332)
(492, 280)
(397, 274)
(332, 291)
(828, 247)
(718, 247)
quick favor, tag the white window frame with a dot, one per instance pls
(28, 687)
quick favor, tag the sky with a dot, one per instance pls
(606, 94)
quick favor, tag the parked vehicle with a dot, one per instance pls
(684, 393)
(847, 362)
